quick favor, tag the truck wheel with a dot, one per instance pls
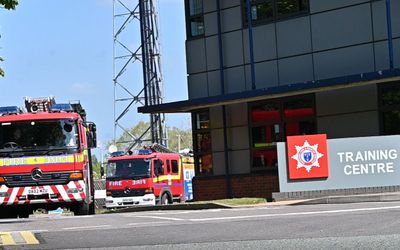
(24, 213)
(7, 212)
(82, 209)
(92, 209)
(164, 199)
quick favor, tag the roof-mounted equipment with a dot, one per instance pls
(10, 110)
(66, 107)
(41, 104)
(117, 153)
(77, 107)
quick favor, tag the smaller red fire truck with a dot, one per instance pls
(148, 177)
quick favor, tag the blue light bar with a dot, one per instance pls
(145, 152)
(61, 107)
(118, 153)
(9, 110)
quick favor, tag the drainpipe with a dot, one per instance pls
(250, 26)
(389, 31)
(222, 79)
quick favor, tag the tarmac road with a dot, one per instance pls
(329, 226)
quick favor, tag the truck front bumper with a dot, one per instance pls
(74, 191)
(146, 200)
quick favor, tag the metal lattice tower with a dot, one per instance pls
(137, 69)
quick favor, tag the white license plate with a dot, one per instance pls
(38, 191)
(127, 200)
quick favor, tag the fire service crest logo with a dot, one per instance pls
(307, 156)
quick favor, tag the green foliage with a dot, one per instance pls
(179, 139)
(174, 134)
(136, 130)
(246, 201)
(96, 168)
(1, 70)
(9, 4)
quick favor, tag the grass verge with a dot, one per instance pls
(237, 201)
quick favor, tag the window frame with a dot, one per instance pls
(382, 108)
(174, 167)
(275, 16)
(198, 154)
(189, 19)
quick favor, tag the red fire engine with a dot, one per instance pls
(148, 177)
(45, 159)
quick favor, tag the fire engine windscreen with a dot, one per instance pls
(31, 137)
(128, 169)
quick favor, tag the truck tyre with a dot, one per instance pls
(24, 213)
(82, 209)
(165, 199)
(92, 209)
(7, 212)
(4, 212)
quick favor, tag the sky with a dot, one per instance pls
(65, 48)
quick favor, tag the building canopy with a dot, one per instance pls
(275, 92)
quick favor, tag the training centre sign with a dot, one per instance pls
(312, 162)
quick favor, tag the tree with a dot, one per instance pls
(9, 5)
(174, 135)
(179, 139)
(96, 167)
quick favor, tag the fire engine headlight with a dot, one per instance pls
(149, 191)
(74, 190)
(76, 176)
(4, 194)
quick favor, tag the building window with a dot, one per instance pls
(195, 18)
(389, 109)
(202, 143)
(272, 121)
(263, 11)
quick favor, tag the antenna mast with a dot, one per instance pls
(130, 17)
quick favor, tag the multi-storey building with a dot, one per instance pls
(299, 67)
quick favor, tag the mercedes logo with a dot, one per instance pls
(37, 174)
(127, 191)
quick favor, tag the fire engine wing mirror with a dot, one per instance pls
(92, 135)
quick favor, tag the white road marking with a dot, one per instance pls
(147, 223)
(295, 214)
(161, 218)
(87, 227)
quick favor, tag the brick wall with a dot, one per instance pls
(251, 185)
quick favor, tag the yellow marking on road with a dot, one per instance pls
(29, 237)
(18, 238)
(6, 239)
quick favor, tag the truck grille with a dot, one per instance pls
(20, 180)
(127, 193)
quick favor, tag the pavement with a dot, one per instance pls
(376, 197)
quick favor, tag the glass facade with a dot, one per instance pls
(269, 10)
(390, 109)
(202, 143)
(195, 18)
(272, 121)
